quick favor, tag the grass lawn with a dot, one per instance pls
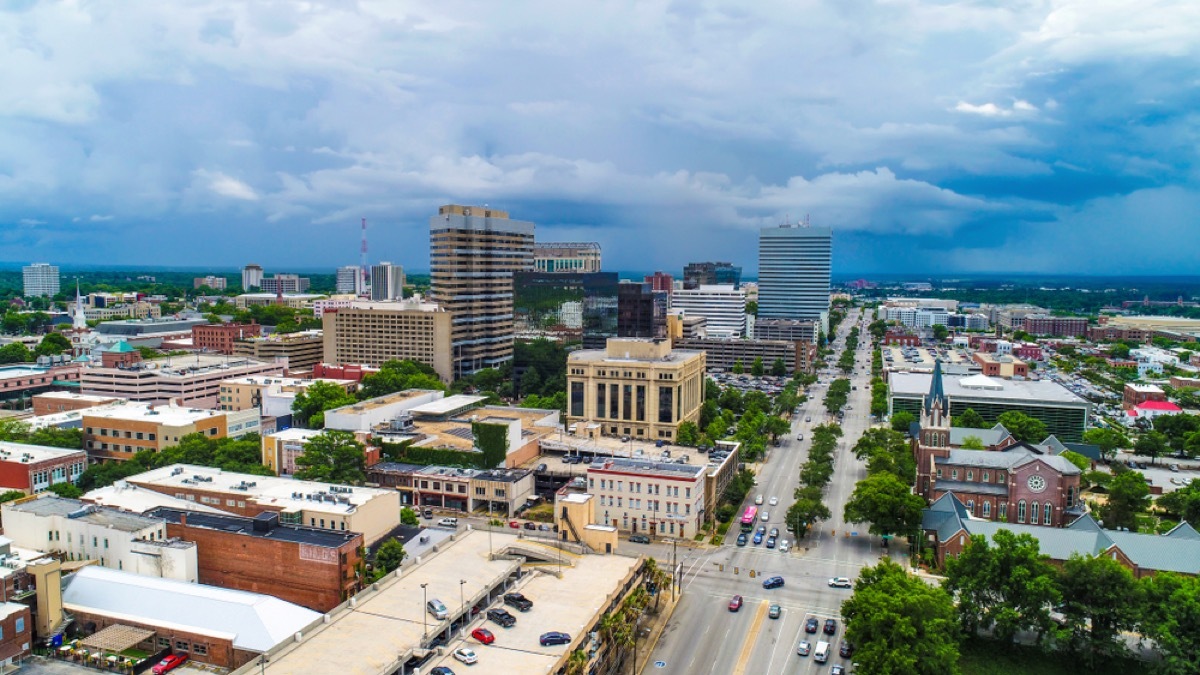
(989, 658)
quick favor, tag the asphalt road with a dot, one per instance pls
(703, 635)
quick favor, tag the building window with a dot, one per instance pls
(971, 506)
(577, 399)
(939, 473)
(20, 625)
(1003, 510)
(627, 402)
(1048, 514)
(182, 645)
(666, 404)
(480, 492)
(601, 401)
(970, 476)
(1021, 511)
(163, 642)
(1000, 477)
(1033, 514)
(199, 649)
(987, 509)
(987, 478)
(954, 474)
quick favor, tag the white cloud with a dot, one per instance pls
(226, 185)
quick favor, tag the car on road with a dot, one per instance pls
(484, 636)
(501, 617)
(810, 626)
(639, 539)
(837, 670)
(741, 540)
(530, 526)
(735, 603)
(830, 626)
(771, 541)
(758, 500)
(765, 516)
(800, 437)
(846, 650)
(758, 538)
(775, 500)
(169, 663)
(773, 582)
(775, 611)
(545, 527)
(554, 638)
(466, 655)
(804, 648)
(808, 419)
(785, 545)
(840, 582)
(514, 524)
(441, 670)
(519, 601)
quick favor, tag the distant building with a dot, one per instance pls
(723, 306)
(724, 353)
(370, 333)
(574, 306)
(193, 380)
(219, 338)
(637, 388)
(661, 281)
(34, 468)
(272, 395)
(280, 449)
(285, 283)
(641, 311)
(699, 274)
(794, 272)
(119, 432)
(252, 277)
(1000, 366)
(215, 283)
(53, 402)
(792, 330)
(474, 252)
(387, 282)
(1140, 393)
(349, 280)
(1056, 326)
(560, 257)
(41, 280)
(298, 351)
(293, 300)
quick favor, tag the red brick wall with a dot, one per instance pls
(220, 652)
(219, 337)
(16, 643)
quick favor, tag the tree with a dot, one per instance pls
(1005, 586)
(388, 557)
(394, 376)
(531, 382)
(1172, 619)
(972, 443)
(66, 490)
(310, 405)
(901, 625)
(776, 427)
(1023, 427)
(806, 510)
(1183, 503)
(969, 419)
(885, 501)
(15, 352)
(1119, 351)
(940, 332)
(752, 307)
(1128, 495)
(779, 368)
(1099, 600)
(1077, 459)
(11, 495)
(53, 344)
(756, 367)
(737, 368)
(902, 421)
(1151, 444)
(1107, 439)
(688, 434)
(409, 517)
(332, 457)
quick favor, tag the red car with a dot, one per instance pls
(483, 635)
(514, 524)
(736, 603)
(170, 663)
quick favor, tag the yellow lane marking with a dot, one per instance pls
(751, 638)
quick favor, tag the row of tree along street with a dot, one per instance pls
(885, 498)
(846, 360)
(816, 472)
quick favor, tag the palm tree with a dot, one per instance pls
(577, 662)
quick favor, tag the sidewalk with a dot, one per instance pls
(645, 648)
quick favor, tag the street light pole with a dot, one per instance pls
(425, 613)
(674, 549)
(462, 601)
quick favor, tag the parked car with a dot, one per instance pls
(758, 538)
(502, 618)
(846, 650)
(554, 638)
(519, 601)
(735, 603)
(810, 626)
(775, 611)
(427, 514)
(771, 541)
(441, 670)
(169, 663)
(466, 655)
(837, 670)
(639, 539)
(530, 526)
(437, 609)
(484, 636)
(773, 582)
(514, 524)
(785, 545)
(774, 532)
(804, 648)
(840, 582)
(544, 527)
(830, 626)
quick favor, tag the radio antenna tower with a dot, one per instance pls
(364, 271)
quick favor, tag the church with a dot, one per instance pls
(1016, 483)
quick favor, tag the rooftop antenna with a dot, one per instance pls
(363, 261)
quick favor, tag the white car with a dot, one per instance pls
(466, 655)
(773, 501)
(785, 545)
(840, 582)
(758, 500)
(765, 516)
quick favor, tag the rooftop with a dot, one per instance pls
(911, 384)
(144, 412)
(1163, 406)
(253, 622)
(649, 468)
(1010, 458)
(265, 526)
(7, 372)
(29, 454)
(296, 434)
(72, 396)
(186, 366)
(126, 497)
(286, 296)
(447, 405)
(382, 401)
(47, 505)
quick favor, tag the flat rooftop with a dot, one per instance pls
(263, 380)
(447, 405)
(7, 372)
(388, 623)
(126, 497)
(21, 453)
(910, 385)
(296, 434)
(597, 355)
(143, 412)
(242, 525)
(193, 364)
(651, 468)
(72, 396)
(51, 505)
(456, 433)
(383, 401)
(267, 490)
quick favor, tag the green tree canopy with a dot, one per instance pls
(1183, 503)
(757, 369)
(1152, 444)
(969, 419)
(1107, 439)
(310, 405)
(394, 376)
(902, 421)
(940, 332)
(11, 495)
(972, 443)
(901, 625)
(1099, 599)
(1128, 495)
(409, 517)
(886, 502)
(15, 352)
(688, 434)
(1006, 585)
(53, 344)
(1023, 427)
(388, 557)
(779, 368)
(737, 368)
(1171, 618)
(332, 457)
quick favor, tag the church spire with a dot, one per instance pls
(936, 408)
(78, 318)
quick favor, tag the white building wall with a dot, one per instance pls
(723, 306)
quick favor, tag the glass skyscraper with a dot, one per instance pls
(794, 263)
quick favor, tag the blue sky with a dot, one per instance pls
(935, 137)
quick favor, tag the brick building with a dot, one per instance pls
(307, 566)
(16, 633)
(1056, 326)
(119, 431)
(1140, 393)
(300, 351)
(34, 468)
(1000, 366)
(219, 337)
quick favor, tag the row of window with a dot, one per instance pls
(184, 646)
(116, 433)
(462, 487)
(636, 487)
(649, 505)
(985, 476)
(482, 492)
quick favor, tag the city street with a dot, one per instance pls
(704, 636)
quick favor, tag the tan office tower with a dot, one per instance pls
(473, 252)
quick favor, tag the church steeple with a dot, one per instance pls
(935, 412)
(78, 318)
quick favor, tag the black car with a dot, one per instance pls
(554, 638)
(810, 626)
(773, 582)
(741, 540)
(502, 618)
(639, 539)
(846, 650)
(519, 601)
(530, 526)
(441, 670)
(830, 626)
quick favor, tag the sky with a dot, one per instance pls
(1022, 136)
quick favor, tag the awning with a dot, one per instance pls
(116, 638)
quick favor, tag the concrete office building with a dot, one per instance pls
(387, 282)
(370, 333)
(252, 276)
(285, 283)
(118, 432)
(793, 330)
(637, 388)
(699, 274)
(557, 257)
(722, 354)
(473, 254)
(794, 264)
(41, 280)
(723, 306)
(193, 380)
(296, 351)
(349, 280)
(293, 300)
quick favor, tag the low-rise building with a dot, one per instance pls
(296, 351)
(118, 432)
(1000, 366)
(273, 396)
(34, 468)
(280, 449)
(20, 381)
(373, 512)
(16, 633)
(1140, 393)
(468, 490)
(293, 300)
(75, 531)
(651, 497)
(1148, 410)
(194, 380)
(53, 402)
(307, 566)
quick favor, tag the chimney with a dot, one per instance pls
(183, 519)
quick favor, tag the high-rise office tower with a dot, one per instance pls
(40, 279)
(252, 276)
(285, 283)
(566, 257)
(347, 279)
(473, 252)
(794, 264)
(699, 274)
(641, 310)
(387, 281)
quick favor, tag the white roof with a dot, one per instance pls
(25, 454)
(165, 415)
(296, 434)
(448, 404)
(976, 387)
(126, 497)
(255, 622)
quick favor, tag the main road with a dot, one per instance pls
(703, 636)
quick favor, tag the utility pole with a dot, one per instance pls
(425, 614)
(674, 549)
